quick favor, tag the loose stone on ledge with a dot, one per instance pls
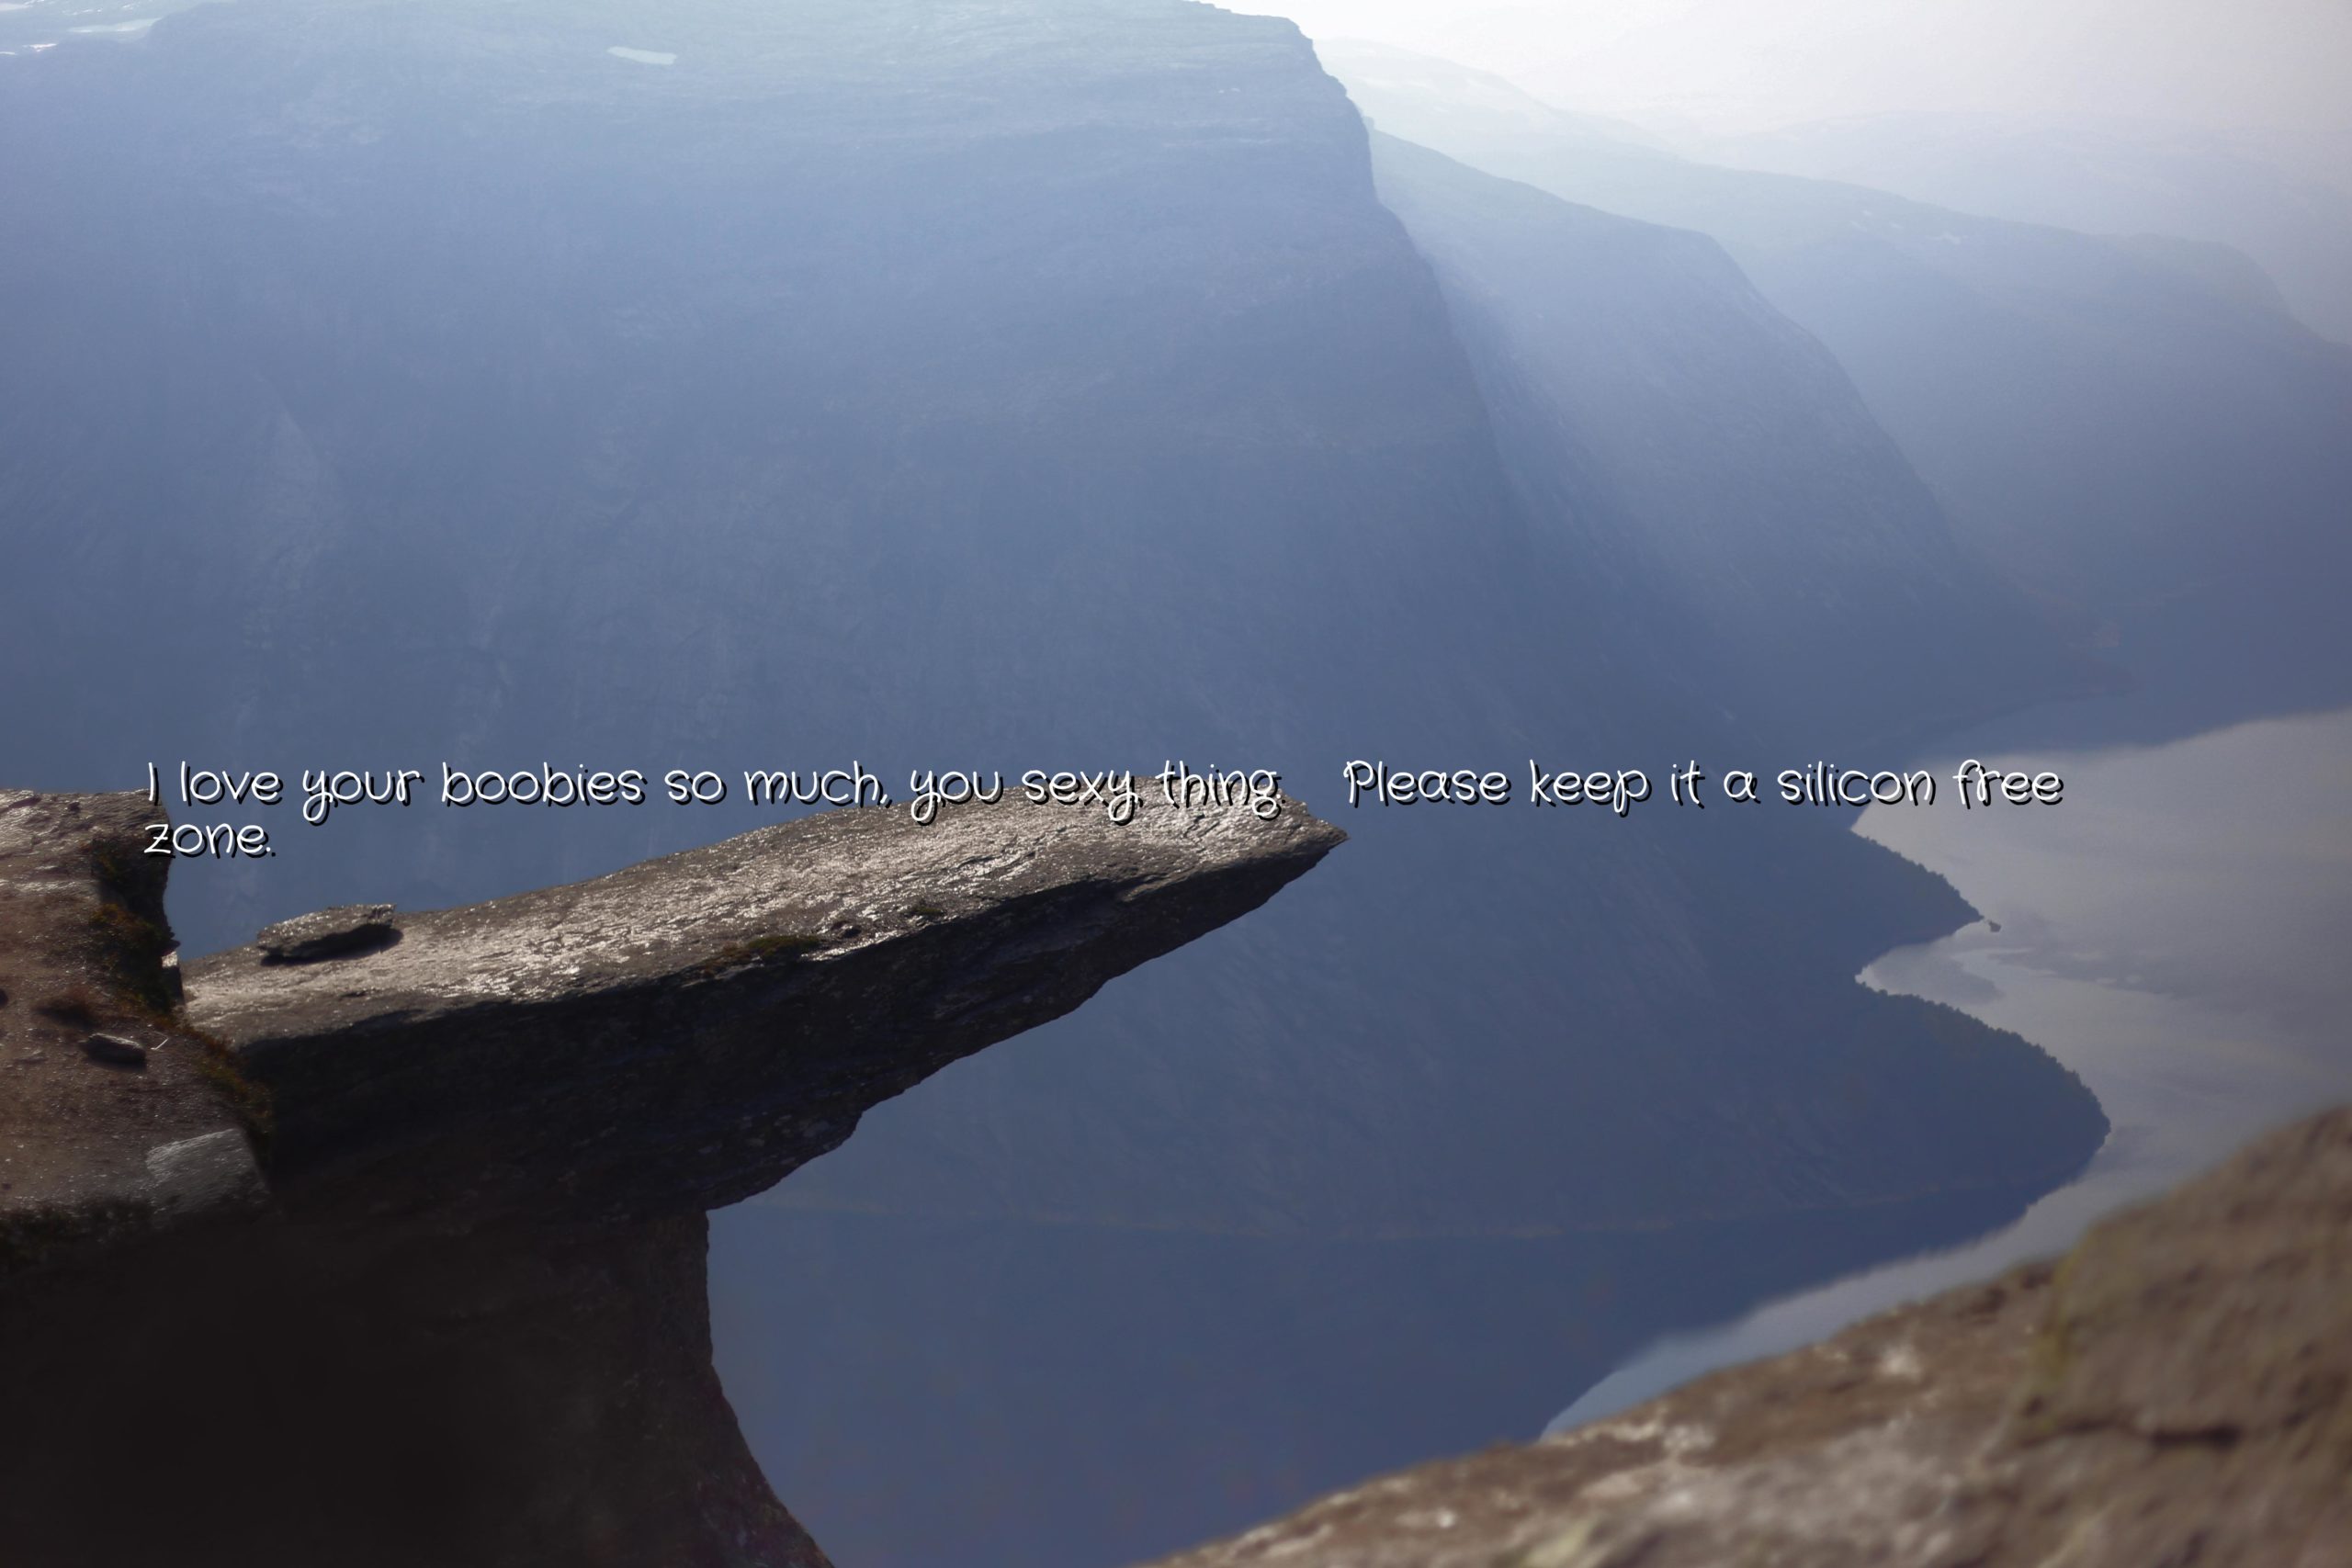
(329, 933)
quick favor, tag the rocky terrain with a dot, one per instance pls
(386, 1244)
(2176, 1390)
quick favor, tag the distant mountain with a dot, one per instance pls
(985, 385)
(1485, 97)
(2131, 425)
(1690, 440)
(2104, 177)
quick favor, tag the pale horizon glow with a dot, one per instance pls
(2271, 70)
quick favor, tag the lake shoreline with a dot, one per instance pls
(2193, 1020)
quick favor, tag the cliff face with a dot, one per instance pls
(396, 1255)
(2177, 1389)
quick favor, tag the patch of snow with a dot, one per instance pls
(642, 56)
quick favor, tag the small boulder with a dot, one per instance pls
(329, 933)
(115, 1051)
(217, 1171)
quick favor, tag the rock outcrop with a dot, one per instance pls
(2178, 1390)
(395, 1254)
(111, 1116)
(761, 992)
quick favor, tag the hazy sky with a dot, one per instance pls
(2277, 66)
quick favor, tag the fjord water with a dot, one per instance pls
(2173, 932)
(994, 1391)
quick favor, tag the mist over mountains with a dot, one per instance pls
(1702, 448)
(2134, 428)
(1079, 383)
(2101, 177)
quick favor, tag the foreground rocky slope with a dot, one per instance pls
(2178, 1389)
(396, 1255)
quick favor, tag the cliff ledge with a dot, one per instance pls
(383, 1241)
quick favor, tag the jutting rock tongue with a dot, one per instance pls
(680, 1035)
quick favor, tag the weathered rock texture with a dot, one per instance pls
(397, 1256)
(327, 933)
(2178, 1390)
(97, 1142)
(679, 1035)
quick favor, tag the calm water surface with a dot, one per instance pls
(2174, 932)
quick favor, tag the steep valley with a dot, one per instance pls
(1010, 385)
